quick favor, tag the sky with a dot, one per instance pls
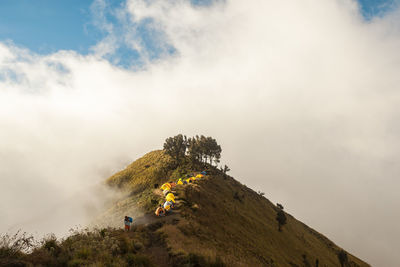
(302, 96)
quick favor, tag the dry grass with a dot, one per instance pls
(238, 223)
(217, 219)
(148, 170)
(221, 217)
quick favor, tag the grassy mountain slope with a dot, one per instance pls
(221, 218)
(217, 222)
(149, 169)
(136, 186)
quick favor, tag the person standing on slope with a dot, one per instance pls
(128, 222)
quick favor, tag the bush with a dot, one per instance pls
(281, 219)
(138, 245)
(77, 263)
(238, 197)
(14, 246)
(343, 259)
(84, 253)
(103, 232)
(12, 263)
(218, 263)
(50, 244)
(196, 260)
(137, 260)
(125, 245)
(42, 257)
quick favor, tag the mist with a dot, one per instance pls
(302, 96)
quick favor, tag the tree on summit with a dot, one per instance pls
(198, 148)
(213, 150)
(204, 149)
(176, 146)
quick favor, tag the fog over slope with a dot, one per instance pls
(302, 95)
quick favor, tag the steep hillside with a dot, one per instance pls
(218, 217)
(149, 169)
(217, 221)
(136, 185)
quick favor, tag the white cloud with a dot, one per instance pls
(301, 95)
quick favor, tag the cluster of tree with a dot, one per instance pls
(176, 146)
(198, 148)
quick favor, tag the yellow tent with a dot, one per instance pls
(199, 176)
(180, 181)
(169, 198)
(165, 186)
(190, 180)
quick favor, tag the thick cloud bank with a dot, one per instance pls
(302, 95)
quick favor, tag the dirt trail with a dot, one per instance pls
(158, 251)
(172, 217)
(150, 218)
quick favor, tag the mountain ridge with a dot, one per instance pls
(217, 221)
(216, 209)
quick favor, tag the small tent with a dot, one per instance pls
(167, 205)
(165, 186)
(160, 211)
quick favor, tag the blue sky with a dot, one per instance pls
(46, 26)
(371, 8)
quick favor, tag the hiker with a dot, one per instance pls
(160, 212)
(128, 222)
